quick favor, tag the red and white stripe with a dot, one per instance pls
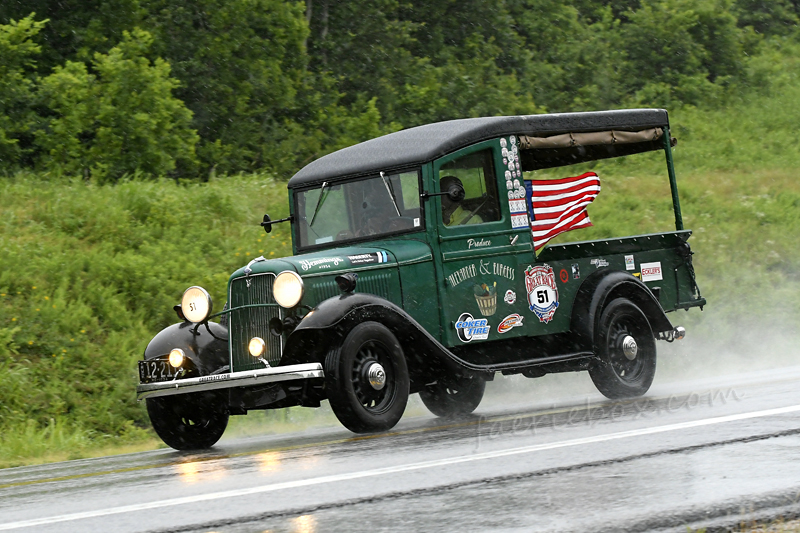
(560, 205)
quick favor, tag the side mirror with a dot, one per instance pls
(455, 192)
(267, 224)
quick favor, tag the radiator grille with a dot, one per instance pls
(253, 321)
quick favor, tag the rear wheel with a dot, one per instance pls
(454, 396)
(189, 422)
(626, 349)
(366, 379)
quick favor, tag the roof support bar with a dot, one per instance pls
(673, 182)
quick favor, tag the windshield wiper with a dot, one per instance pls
(390, 190)
(320, 201)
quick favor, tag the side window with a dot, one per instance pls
(474, 172)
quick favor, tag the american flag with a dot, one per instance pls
(560, 205)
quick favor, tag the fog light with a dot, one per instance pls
(176, 357)
(257, 347)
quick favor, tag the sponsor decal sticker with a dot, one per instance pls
(599, 263)
(215, 377)
(651, 271)
(511, 321)
(462, 274)
(486, 297)
(563, 275)
(478, 243)
(517, 206)
(469, 329)
(510, 297)
(576, 271)
(503, 142)
(519, 221)
(364, 259)
(325, 262)
(540, 282)
(416, 222)
(519, 210)
(629, 264)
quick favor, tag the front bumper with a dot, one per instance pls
(229, 380)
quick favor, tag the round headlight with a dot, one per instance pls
(196, 304)
(176, 357)
(288, 289)
(257, 347)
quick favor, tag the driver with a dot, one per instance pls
(453, 214)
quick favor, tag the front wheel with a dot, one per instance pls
(189, 422)
(626, 349)
(453, 397)
(366, 379)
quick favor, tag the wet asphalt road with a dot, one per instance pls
(707, 453)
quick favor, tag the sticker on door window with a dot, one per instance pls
(540, 282)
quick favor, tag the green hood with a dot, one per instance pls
(347, 259)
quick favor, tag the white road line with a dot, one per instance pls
(394, 469)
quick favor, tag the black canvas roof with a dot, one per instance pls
(426, 143)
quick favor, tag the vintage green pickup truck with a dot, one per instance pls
(422, 265)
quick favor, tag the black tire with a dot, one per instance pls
(453, 397)
(190, 421)
(357, 404)
(614, 374)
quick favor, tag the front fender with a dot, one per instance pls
(333, 319)
(206, 348)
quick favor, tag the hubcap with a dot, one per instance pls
(376, 376)
(629, 347)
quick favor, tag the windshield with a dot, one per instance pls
(375, 206)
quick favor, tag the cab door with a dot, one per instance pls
(485, 245)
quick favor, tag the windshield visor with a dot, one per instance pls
(360, 209)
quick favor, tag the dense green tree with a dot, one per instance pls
(768, 17)
(76, 29)
(17, 84)
(276, 83)
(119, 118)
(241, 64)
(676, 49)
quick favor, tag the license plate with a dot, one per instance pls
(155, 370)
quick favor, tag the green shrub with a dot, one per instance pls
(120, 119)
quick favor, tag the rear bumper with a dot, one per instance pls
(229, 380)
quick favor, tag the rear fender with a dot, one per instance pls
(602, 287)
(206, 347)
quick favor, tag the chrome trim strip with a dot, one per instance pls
(230, 380)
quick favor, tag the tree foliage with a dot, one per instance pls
(276, 83)
(17, 82)
(120, 118)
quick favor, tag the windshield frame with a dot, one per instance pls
(376, 175)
